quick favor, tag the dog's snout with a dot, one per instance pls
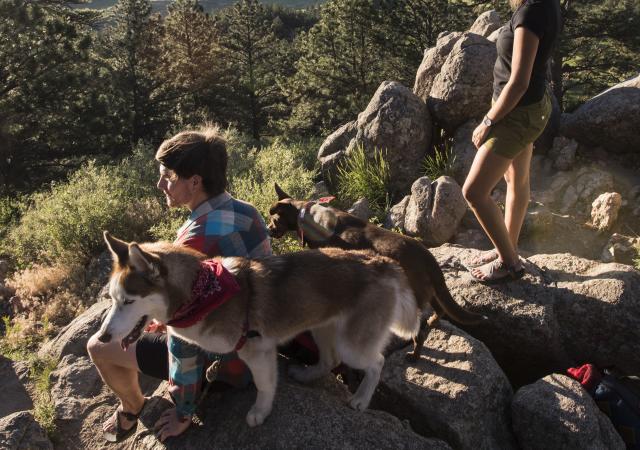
(105, 338)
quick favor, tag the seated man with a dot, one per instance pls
(193, 167)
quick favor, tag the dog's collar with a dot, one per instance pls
(213, 287)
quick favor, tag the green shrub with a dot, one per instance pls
(166, 228)
(261, 168)
(66, 222)
(441, 162)
(360, 176)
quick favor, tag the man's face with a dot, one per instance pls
(176, 190)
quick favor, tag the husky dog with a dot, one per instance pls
(321, 226)
(349, 300)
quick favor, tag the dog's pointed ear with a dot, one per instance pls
(119, 249)
(281, 194)
(141, 261)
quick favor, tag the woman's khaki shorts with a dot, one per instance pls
(519, 128)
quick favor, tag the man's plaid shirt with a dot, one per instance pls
(221, 226)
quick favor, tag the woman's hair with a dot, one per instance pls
(199, 152)
(515, 4)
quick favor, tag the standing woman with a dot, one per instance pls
(520, 110)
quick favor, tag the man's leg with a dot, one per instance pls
(518, 193)
(119, 370)
(487, 169)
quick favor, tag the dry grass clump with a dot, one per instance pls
(38, 281)
(46, 299)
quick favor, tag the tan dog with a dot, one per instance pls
(349, 300)
(323, 226)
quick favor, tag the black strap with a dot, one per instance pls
(246, 332)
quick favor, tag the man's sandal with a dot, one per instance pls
(497, 271)
(120, 434)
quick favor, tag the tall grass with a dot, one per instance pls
(43, 405)
(441, 162)
(362, 176)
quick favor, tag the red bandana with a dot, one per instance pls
(213, 286)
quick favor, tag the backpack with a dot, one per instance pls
(619, 399)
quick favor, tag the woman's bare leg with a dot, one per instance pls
(518, 193)
(487, 169)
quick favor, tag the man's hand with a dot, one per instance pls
(480, 134)
(170, 425)
(155, 327)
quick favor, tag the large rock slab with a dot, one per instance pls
(545, 231)
(13, 392)
(434, 210)
(74, 380)
(302, 417)
(456, 391)
(610, 119)
(486, 23)
(79, 395)
(20, 431)
(72, 339)
(395, 122)
(564, 312)
(573, 192)
(432, 62)
(463, 88)
(333, 150)
(556, 412)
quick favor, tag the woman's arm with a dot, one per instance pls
(525, 47)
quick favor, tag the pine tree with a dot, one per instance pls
(341, 65)
(44, 56)
(599, 47)
(189, 60)
(131, 52)
(253, 58)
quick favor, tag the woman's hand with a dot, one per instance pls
(480, 135)
(155, 327)
(169, 424)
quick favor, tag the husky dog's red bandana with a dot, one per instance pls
(213, 286)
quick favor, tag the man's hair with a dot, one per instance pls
(197, 152)
(515, 4)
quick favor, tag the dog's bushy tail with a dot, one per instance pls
(406, 315)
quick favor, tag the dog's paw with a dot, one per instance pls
(359, 404)
(256, 417)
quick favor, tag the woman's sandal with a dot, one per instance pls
(481, 259)
(497, 271)
(119, 434)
